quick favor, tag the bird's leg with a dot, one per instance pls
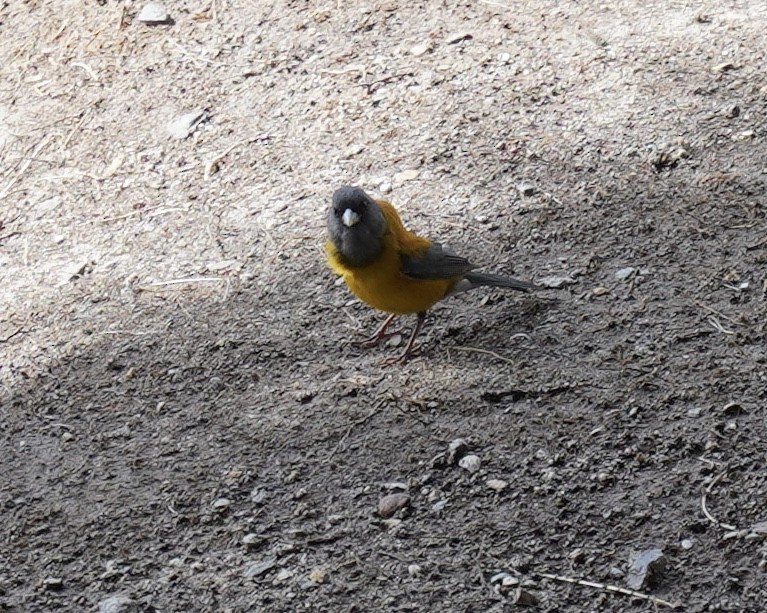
(379, 334)
(400, 359)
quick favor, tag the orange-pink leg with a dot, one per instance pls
(379, 335)
(403, 357)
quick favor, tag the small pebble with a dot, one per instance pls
(53, 583)
(405, 176)
(526, 189)
(624, 273)
(153, 14)
(439, 505)
(221, 504)
(260, 568)
(414, 570)
(252, 540)
(283, 575)
(118, 603)
(524, 598)
(318, 575)
(353, 150)
(183, 125)
(497, 484)
(389, 505)
(421, 48)
(644, 568)
(470, 462)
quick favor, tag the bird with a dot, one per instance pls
(393, 269)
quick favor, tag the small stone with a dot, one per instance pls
(255, 570)
(687, 543)
(414, 570)
(283, 575)
(625, 273)
(53, 583)
(405, 176)
(421, 48)
(439, 505)
(644, 568)
(470, 462)
(395, 340)
(723, 67)
(526, 189)
(67, 436)
(153, 14)
(392, 523)
(183, 125)
(258, 496)
(353, 150)
(318, 575)
(524, 598)
(600, 291)
(744, 135)
(497, 484)
(389, 505)
(395, 485)
(694, 412)
(221, 504)
(119, 603)
(75, 271)
(577, 555)
(616, 573)
(498, 577)
(458, 37)
(252, 540)
(384, 187)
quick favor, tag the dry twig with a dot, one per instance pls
(612, 589)
(704, 507)
(160, 285)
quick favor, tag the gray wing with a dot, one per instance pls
(435, 263)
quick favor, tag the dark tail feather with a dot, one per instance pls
(483, 278)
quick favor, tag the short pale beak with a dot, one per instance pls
(350, 218)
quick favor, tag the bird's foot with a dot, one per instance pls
(374, 340)
(401, 358)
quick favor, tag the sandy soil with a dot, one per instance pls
(185, 424)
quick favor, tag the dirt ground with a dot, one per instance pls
(185, 424)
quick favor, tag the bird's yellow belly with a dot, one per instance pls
(394, 292)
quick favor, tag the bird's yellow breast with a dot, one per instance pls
(381, 284)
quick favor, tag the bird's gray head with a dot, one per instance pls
(356, 225)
